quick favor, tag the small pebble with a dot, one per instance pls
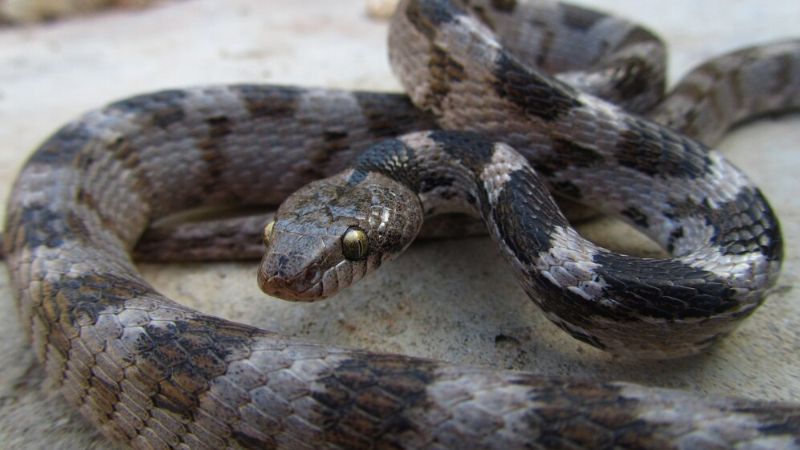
(381, 9)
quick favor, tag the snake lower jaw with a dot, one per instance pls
(287, 290)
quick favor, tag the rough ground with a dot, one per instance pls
(450, 300)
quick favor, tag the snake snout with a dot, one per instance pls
(277, 279)
(293, 265)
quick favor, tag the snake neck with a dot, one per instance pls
(580, 286)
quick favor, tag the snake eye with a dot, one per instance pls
(355, 244)
(268, 232)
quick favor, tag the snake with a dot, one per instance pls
(505, 101)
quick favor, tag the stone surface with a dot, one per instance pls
(452, 300)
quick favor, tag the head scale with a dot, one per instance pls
(332, 232)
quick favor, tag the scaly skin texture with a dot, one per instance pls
(722, 233)
(154, 374)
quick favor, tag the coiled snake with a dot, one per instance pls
(153, 373)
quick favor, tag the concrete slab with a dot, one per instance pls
(452, 300)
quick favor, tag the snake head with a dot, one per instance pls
(334, 231)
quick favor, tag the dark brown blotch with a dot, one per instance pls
(124, 151)
(535, 95)
(426, 16)
(566, 154)
(189, 350)
(391, 157)
(219, 126)
(572, 414)
(525, 216)
(370, 396)
(573, 154)
(389, 115)
(437, 181)
(332, 135)
(320, 158)
(444, 71)
(212, 152)
(784, 74)
(269, 101)
(160, 109)
(659, 152)
(174, 399)
(63, 147)
(638, 284)
(734, 222)
(506, 6)
(473, 150)
(38, 225)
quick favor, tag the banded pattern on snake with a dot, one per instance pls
(153, 373)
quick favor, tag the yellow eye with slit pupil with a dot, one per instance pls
(268, 232)
(355, 244)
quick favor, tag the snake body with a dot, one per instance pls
(155, 374)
